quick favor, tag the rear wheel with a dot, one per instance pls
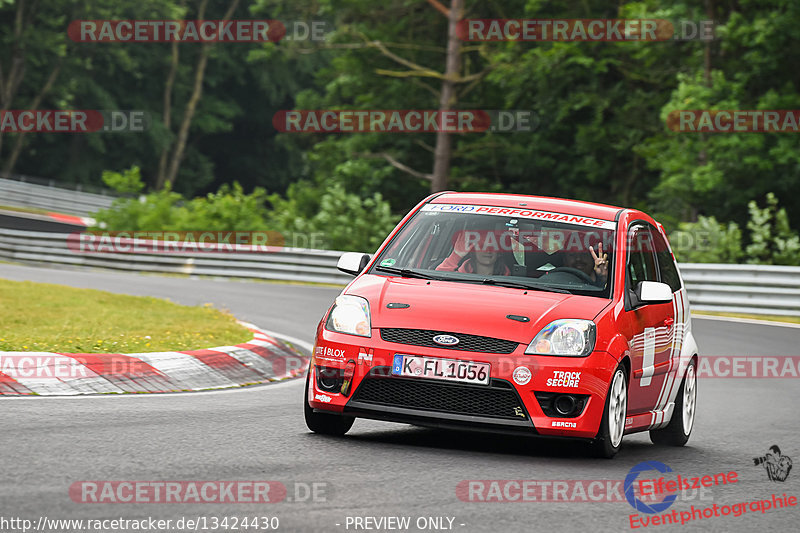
(325, 423)
(609, 437)
(680, 426)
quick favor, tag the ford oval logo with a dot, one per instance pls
(445, 340)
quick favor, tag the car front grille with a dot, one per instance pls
(498, 400)
(467, 343)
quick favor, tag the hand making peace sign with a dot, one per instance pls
(600, 260)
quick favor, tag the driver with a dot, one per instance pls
(594, 265)
(481, 258)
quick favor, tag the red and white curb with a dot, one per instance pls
(51, 216)
(265, 358)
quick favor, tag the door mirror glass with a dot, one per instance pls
(353, 262)
(653, 292)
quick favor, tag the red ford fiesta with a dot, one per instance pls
(512, 314)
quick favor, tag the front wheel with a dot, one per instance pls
(609, 438)
(680, 426)
(325, 423)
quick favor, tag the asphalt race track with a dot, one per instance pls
(379, 469)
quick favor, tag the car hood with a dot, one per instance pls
(467, 307)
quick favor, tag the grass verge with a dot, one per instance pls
(43, 317)
(770, 318)
(34, 210)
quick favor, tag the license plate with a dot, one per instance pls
(445, 369)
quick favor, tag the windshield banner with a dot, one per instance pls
(521, 213)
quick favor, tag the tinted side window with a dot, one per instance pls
(666, 265)
(641, 264)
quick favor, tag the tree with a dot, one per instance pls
(718, 174)
(37, 38)
(167, 173)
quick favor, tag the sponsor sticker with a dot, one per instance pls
(325, 352)
(365, 356)
(522, 375)
(564, 379)
(563, 424)
(520, 213)
(324, 398)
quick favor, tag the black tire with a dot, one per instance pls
(325, 423)
(676, 433)
(606, 445)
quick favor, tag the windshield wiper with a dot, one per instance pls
(518, 285)
(405, 272)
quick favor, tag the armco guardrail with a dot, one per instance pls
(760, 289)
(289, 264)
(734, 288)
(15, 192)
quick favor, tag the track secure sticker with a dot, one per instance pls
(388, 262)
(564, 379)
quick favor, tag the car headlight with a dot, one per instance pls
(570, 337)
(350, 314)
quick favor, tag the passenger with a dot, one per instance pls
(594, 265)
(467, 258)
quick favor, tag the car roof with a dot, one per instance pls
(542, 203)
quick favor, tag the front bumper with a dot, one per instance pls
(504, 405)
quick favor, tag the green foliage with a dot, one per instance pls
(348, 221)
(719, 174)
(328, 217)
(707, 241)
(157, 211)
(229, 209)
(125, 182)
(772, 240)
(601, 111)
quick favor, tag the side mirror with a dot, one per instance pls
(353, 262)
(653, 292)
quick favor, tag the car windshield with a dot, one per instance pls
(526, 249)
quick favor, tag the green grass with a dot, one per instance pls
(52, 318)
(34, 210)
(773, 318)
